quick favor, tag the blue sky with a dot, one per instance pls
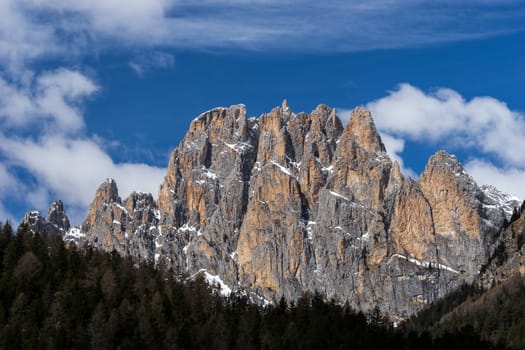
(91, 89)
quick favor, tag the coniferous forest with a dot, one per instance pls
(57, 297)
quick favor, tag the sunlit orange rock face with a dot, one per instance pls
(287, 203)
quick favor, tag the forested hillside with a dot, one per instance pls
(58, 297)
(496, 315)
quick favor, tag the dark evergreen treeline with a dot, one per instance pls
(496, 316)
(427, 318)
(52, 297)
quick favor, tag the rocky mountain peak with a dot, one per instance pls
(128, 227)
(361, 126)
(362, 167)
(442, 161)
(108, 191)
(323, 110)
(509, 256)
(57, 216)
(396, 180)
(444, 171)
(56, 222)
(215, 115)
(288, 203)
(106, 194)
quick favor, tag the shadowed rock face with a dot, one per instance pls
(509, 256)
(56, 222)
(290, 202)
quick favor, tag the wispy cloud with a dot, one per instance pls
(32, 28)
(150, 60)
(483, 126)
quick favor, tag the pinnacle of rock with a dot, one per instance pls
(362, 127)
(108, 191)
(396, 172)
(323, 109)
(57, 215)
(442, 159)
(106, 194)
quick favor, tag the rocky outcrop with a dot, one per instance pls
(128, 227)
(288, 203)
(56, 221)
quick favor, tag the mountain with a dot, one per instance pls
(287, 203)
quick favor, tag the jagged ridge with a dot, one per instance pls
(290, 202)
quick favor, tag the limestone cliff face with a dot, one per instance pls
(294, 157)
(465, 228)
(411, 224)
(288, 203)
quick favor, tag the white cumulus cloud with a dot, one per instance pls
(51, 99)
(483, 122)
(60, 160)
(483, 126)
